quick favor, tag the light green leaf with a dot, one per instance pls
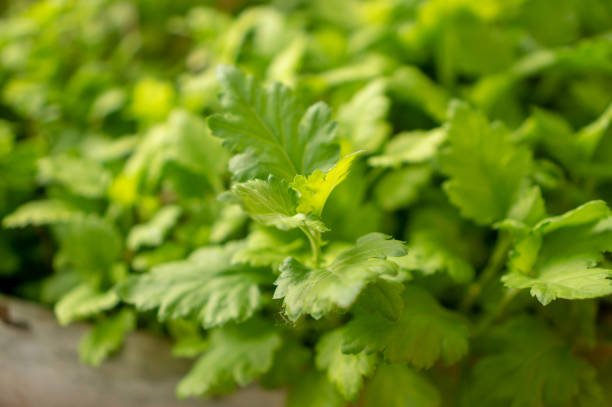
(106, 337)
(400, 188)
(39, 213)
(562, 256)
(152, 99)
(486, 170)
(315, 291)
(192, 146)
(345, 371)
(529, 365)
(84, 301)
(410, 147)
(153, 232)
(314, 190)
(571, 280)
(400, 386)
(236, 356)
(589, 212)
(529, 208)
(362, 119)
(424, 333)
(206, 285)
(268, 247)
(79, 175)
(183, 140)
(108, 102)
(574, 149)
(588, 137)
(272, 133)
(228, 223)
(272, 203)
(284, 67)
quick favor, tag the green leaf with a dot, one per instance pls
(424, 333)
(589, 212)
(87, 242)
(268, 247)
(152, 99)
(345, 371)
(284, 66)
(410, 148)
(206, 286)
(106, 337)
(314, 190)
(572, 280)
(89, 245)
(574, 149)
(236, 356)
(410, 84)
(529, 208)
(84, 301)
(440, 242)
(400, 386)
(400, 188)
(273, 135)
(272, 203)
(589, 137)
(153, 232)
(529, 365)
(315, 390)
(562, 256)
(78, 175)
(384, 297)
(39, 213)
(228, 223)
(485, 169)
(315, 291)
(183, 141)
(362, 119)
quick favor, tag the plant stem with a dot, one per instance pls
(495, 264)
(315, 245)
(486, 322)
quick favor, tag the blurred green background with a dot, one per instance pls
(102, 107)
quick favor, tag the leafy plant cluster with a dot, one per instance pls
(437, 232)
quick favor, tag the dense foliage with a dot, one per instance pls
(396, 203)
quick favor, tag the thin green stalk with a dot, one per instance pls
(315, 245)
(494, 266)
(492, 316)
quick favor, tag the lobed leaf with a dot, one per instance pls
(316, 291)
(236, 356)
(269, 131)
(206, 286)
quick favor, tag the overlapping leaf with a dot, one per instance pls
(106, 337)
(486, 170)
(269, 131)
(562, 256)
(236, 356)
(316, 291)
(529, 365)
(206, 285)
(346, 371)
(424, 332)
